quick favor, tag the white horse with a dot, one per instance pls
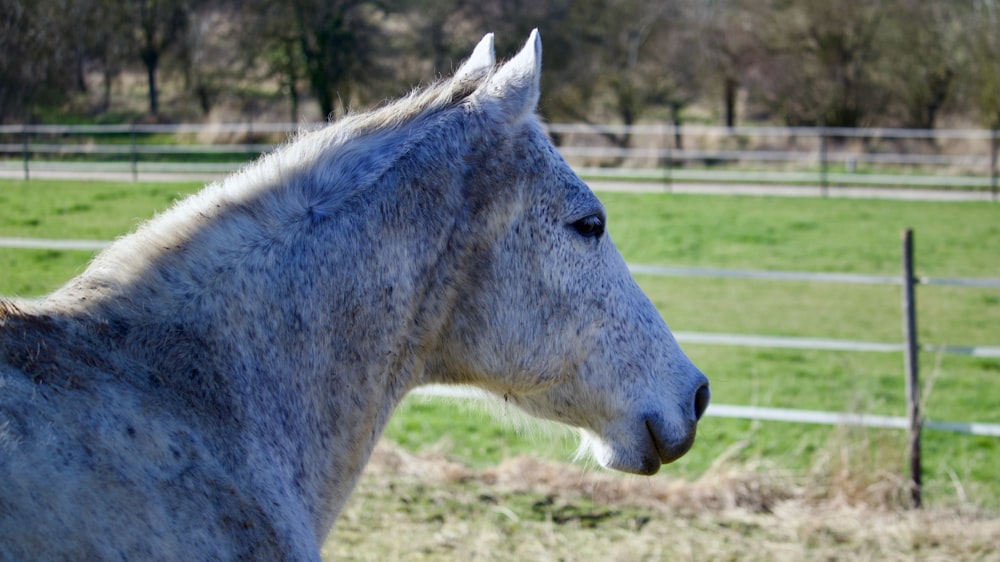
(212, 385)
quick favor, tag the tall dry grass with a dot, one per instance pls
(850, 506)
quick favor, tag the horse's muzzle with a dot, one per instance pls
(670, 442)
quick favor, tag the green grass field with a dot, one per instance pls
(831, 235)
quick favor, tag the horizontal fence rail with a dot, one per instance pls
(681, 271)
(53, 244)
(737, 340)
(766, 414)
(765, 131)
(914, 422)
(825, 344)
(943, 158)
(659, 129)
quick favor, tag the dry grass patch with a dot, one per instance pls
(423, 507)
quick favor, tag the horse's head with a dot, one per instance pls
(549, 315)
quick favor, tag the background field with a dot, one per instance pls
(762, 465)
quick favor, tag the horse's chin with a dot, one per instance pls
(644, 454)
(642, 464)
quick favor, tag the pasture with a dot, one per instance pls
(473, 495)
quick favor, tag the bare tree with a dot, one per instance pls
(336, 38)
(37, 65)
(615, 59)
(983, 70)
(820, 61)
(726, 38)
(107, 53)
(846, 63)
(209, 56)
(152, 29)
(330, 44)
(922, 53)
(440, 32)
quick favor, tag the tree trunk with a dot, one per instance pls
(106, 89)
(318, 79)
(293, 99)
(730, 89)
(81, 76)
(323, 97)
(151, 59)
(292, 80)
(204, 95)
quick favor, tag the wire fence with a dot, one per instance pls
(742, 340)
(831, 158)
(826, 156)
(914, 421)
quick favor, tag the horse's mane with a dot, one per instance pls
(328, 166)
(313, 175)
(359, 134)
(438, 96)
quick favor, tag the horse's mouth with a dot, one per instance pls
(668, 452)
(655, 448)
(666, 443)
(664, 440)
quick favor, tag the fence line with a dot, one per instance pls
(783, 342)
(753, 130)
(914, 421)
(638, 269)
(52, 244)
(848, 278)
(683, 271)
(765, 414)
(583, 144)
(704, 338)
(677, 175)
(556, 128)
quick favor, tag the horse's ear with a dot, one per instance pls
(472, 71)
(516, 86)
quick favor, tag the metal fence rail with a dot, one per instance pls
(849, 278)
(704, 338)
(950, 158)
(766, 414)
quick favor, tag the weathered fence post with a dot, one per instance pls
(823, 183)
(25, 151)
(993, 162)
(912, 367)
(133, 153)
(667, 159)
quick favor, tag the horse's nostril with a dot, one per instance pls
(701, 398)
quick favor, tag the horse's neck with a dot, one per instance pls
(282, 334)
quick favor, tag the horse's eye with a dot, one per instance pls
(591, 226)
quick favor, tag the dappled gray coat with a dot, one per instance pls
(212, 385)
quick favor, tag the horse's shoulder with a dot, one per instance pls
(48, 348)
(108, 468)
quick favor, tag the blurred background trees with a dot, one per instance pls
(909, 63)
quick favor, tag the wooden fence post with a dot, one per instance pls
(26, 150)
(667, 159)
(912, 367)
(993, 162)
(133, 153)
(823, 181)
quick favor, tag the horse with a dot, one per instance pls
(212, 384)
